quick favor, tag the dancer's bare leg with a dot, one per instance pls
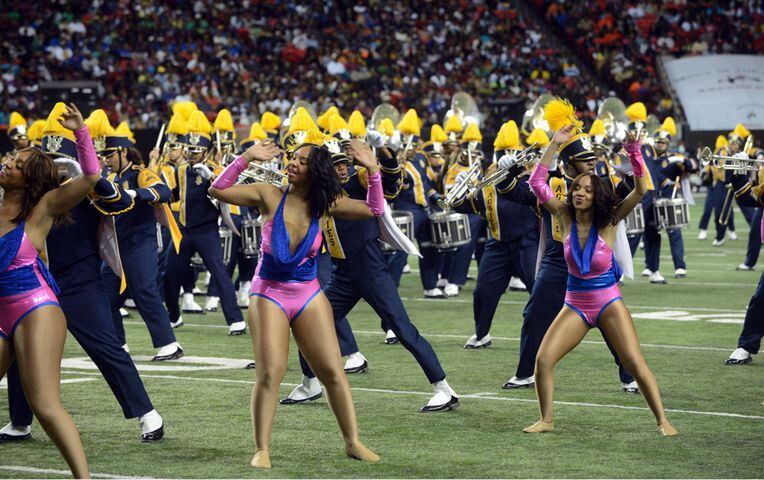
(39, 344)
(617, 324)
(567, 331)
(315, 335)
(269, 328)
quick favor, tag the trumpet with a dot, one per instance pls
(461, 188)
(256, 173)
(521, 159)
(729, 163)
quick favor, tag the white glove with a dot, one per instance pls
(132, 193)
(741, 155)
(505, 162)
(203, 171)
(272, 166)
(394, 141)
(375, 139)
(461, 176)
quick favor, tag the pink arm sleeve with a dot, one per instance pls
(635, 157)
(375, 197)
(231, 173)
(538, 184)
(86, 153)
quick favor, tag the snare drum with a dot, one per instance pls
(635, 221)
(226, 241)
(405, 221)
(250, 237)
(450, 230)
(671, 213)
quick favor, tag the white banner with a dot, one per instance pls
(719, 91)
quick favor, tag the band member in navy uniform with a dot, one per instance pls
(667, 170)
(73, 252)
(749, 341)
(137, 236)
(18, 132)
(548, 293)
(199, 225)
(513, 238)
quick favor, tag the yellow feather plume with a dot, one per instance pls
(669, 126)
(409, 124)
(560, 113)
(325, 119)
(508, 136)
(123, 130)
(256, 132)
(357, 124)
(314, 137)
(437, 135)
(453, 125)
(35, 130)
(386, 127)
(597, 128)
(98, 124)
(178, 125)
(721, 142)
(301, 121)
(538, 136)
(185, 109)
(16, 120)
(637, 112)
(472, 134)
(270, 121)
(199, 124)
(52, 127)
(338, 123)
(224, 121)
(741, 131)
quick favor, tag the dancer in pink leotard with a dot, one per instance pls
(589, 217)
(285, 290)
(32, 325)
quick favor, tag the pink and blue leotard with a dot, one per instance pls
(25, 282)
(287, 279)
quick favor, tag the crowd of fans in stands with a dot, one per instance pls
(250, 55)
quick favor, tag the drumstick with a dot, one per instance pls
(159, 138)
(676, 185)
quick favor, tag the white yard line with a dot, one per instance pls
(48, 471)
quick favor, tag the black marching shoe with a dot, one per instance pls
(451, 404)
(153, 436)
(740, 356)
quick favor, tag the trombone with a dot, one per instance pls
(461, 188)
(729, 163)
(521, 159)
(256, 173)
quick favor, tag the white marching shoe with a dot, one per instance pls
(516, 285)
(646, 272)
(207, 278)
(657, 278)
(680, 273)
(474, 343)
(237, 328)
(390, 338)
(211, 305)
(702, 234)
(356, 363)
(744, 268)
(406, 269)
(177, 323)
(307, 391)
(129, 303)
(442, 282)
(740, 356)
(243, 295)
(717, 243)
(451, 290)
(434, 293)
(152, 427)
(123, 313)
(444, 399)
(631, 388)
(126, 348)
(517, 382)
(189, 305)
(732, 235)
(15, 433)
(171, 351)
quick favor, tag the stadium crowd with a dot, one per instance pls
(622, 40)
(253, 56)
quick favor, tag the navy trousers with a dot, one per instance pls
(345, 335)
(547, 299)
(204, 239)
(715, 197)
(139, 262)
(501, 261)
(754, 238)
(366, 276)
(88, 315)
(753, 326)
(431, 259)
(246, 267)
(458, 263)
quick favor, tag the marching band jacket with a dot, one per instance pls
(195, 209)
(418, 184)
(150, 190)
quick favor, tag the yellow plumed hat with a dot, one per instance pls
(98, 124)
(357, 124)
(325, 119)
(338, 123)
(386, 127)
(35, 131)
(508, 137)
(57, 139)
(224, 121)
(256, 132)
(637, 112)
(721, 142)
(538, 136)
(667, 129)
(185, 109)
(302, 121)
(199, 129)
(409, 124)
(313, 137)
(437, 135)
(178, 125)
(52, 127)
(270, 122)
(453, 125)
(17, 125)
(597, 128)
(472, 133)
(123, 129)
(559, 113)
(740, 131)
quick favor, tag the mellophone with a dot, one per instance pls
(671, 213)
(405, 221)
